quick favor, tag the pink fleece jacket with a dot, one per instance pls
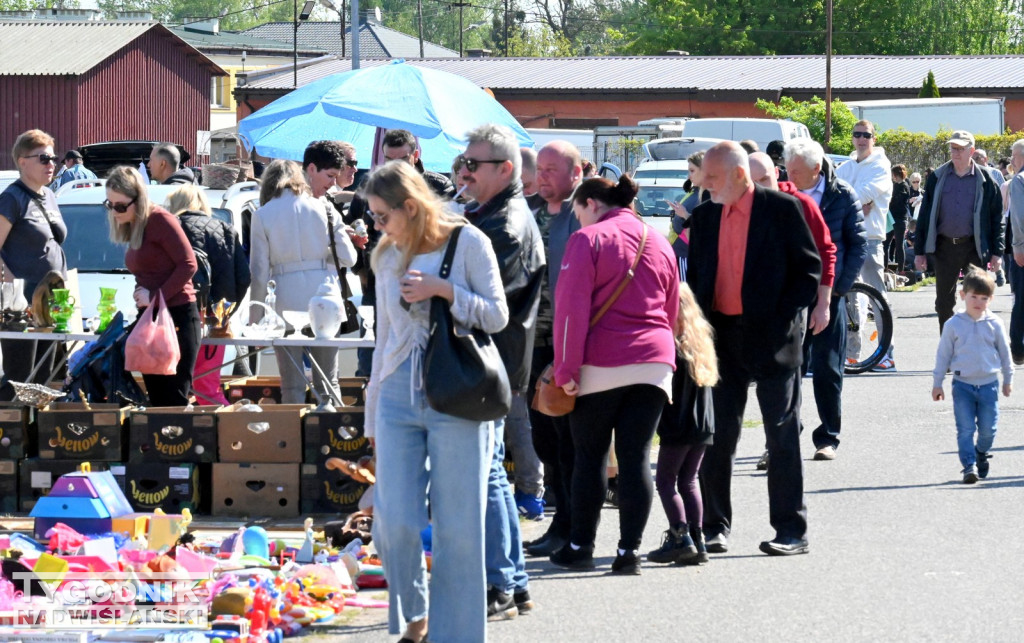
(638, 328)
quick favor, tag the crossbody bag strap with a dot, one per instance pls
(346, 292)
(449, 254)
(625, 280)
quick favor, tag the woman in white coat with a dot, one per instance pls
(290, 244)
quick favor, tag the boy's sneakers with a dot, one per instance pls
(530, 506)
(970, 475)
(983, 458)
(500, 605)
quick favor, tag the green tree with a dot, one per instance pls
(928, 88)
(812, 114)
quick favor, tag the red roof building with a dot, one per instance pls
(93, 81)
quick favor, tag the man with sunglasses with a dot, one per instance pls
(960, 222)
(870, 173)
(31, 233)
(490, 169)
(397, 145)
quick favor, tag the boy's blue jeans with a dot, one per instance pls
(976, 409)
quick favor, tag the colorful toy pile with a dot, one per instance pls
(95, 564)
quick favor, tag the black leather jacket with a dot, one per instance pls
(508, 223)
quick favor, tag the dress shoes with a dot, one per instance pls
(784, 546)
(546, 545)
(717, 544)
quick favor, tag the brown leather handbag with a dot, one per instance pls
(551, 399)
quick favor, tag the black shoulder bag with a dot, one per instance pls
(351, 323)
(462, 371)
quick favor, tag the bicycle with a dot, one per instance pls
(869, 318)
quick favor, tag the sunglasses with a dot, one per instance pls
(120, 208)
(351, 162)
(472, 165)
(379, 219)
(863, 135)
(45, 159)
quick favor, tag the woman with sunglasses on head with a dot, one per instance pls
(161, 258)
(407, 431)
(31, 233)
(290, 244)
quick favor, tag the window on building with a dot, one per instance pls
(219, 87)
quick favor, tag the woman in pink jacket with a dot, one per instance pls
(620, 368)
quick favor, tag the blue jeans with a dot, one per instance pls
(824, 354)
(503, 544)
(976, 409)
(419, 448)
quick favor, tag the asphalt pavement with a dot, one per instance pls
(900, 549)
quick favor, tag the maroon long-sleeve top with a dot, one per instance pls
(165, 260)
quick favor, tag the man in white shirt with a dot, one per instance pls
(870, 173)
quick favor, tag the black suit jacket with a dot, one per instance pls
(781, 272)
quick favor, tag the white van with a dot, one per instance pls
(760, 130)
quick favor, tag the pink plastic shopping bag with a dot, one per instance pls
(152, 347)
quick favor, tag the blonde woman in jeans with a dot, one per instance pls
(417, 447)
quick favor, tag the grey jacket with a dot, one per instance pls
(987, 219)
(975, 351)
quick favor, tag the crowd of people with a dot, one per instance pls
(645, 335)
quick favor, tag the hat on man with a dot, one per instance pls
(73, 154)
(962, 137)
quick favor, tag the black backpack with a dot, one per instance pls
(202, 281)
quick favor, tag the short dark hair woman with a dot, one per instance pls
(620, 368)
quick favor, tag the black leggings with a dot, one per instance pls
(895, 245)
(173, 390)
(633, 413)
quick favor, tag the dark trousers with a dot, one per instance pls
(895, 245)
(19, 358)
(1016, 276)
(779, 399)
(552, 440)
(173, 390)
(825, 353)
(950, 259)
(632, 412)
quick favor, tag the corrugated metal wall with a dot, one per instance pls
(149, 90)
(31, 102)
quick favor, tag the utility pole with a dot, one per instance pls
(295, 45)
(461, 6)
(828, 73)
(506, 28)
(419, 21)
(341, 19)
(355, 34)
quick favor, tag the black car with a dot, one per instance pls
(101, 157)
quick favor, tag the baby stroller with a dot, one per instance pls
(96, 373)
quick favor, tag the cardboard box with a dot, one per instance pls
(274, 435)
(172, 434)
(72, 431)
(255, 388)
(353, 388)
(328, 491)
(8, 486)
(18, 437)
(168, 486)
(36, 476)
(334, 435)
(242, 490)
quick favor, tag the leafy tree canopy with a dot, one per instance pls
(812, 114)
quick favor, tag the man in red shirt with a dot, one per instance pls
(754, 269)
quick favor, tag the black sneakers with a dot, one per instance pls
(626, 564)
(970, 475)
(500, 606)
(523, 601)
(982, 458)
(582, 558)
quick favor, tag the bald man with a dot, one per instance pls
(754, 270)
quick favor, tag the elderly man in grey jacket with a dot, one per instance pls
(960, 224)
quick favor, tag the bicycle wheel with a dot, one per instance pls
(868, 328)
